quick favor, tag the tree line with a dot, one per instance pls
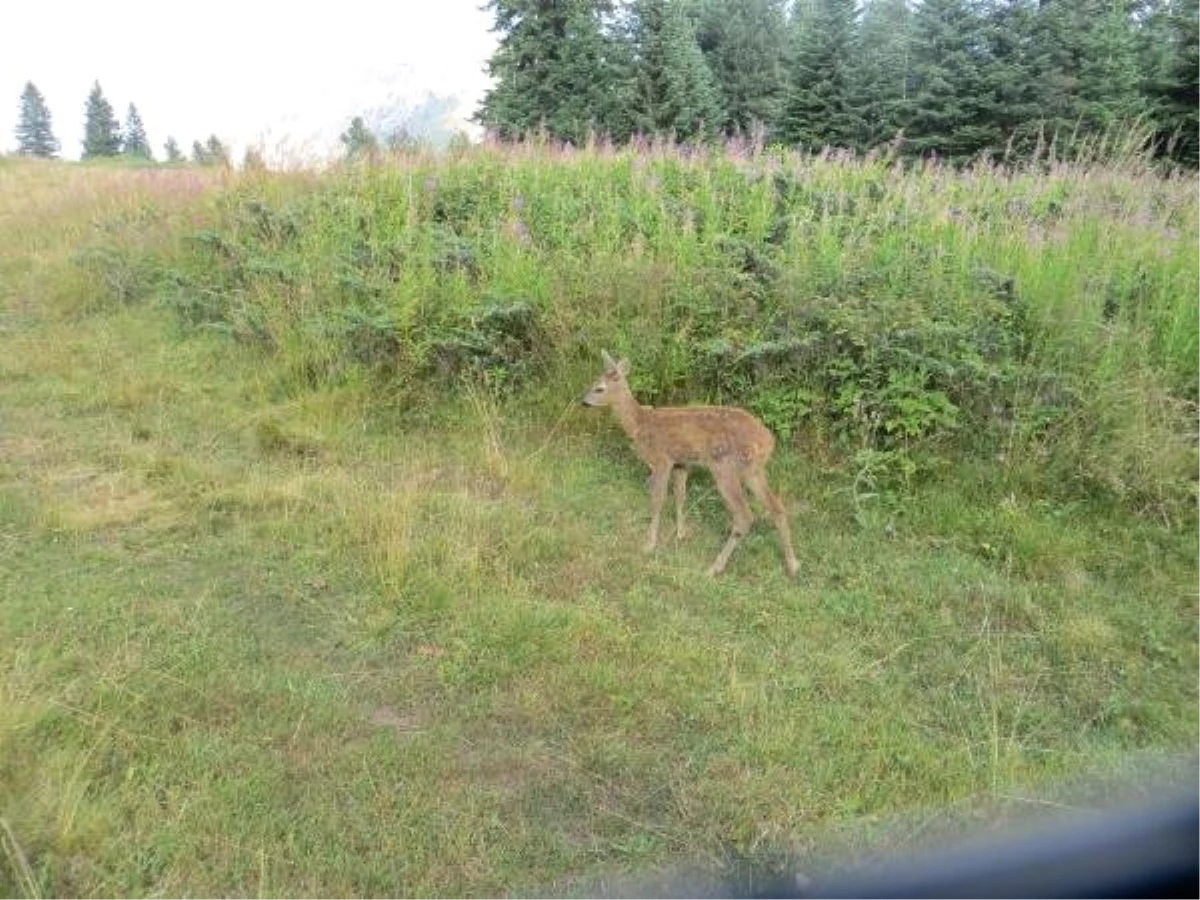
(104, 135)
(952, 78)
(949, 78)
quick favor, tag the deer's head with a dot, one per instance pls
(612, 379)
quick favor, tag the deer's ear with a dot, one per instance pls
(609, 362)
(623, 367)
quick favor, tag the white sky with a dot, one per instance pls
(286, 75)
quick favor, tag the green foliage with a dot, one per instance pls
(954, 82)
(1180, 90)
(674, 93)
(35, 133)
(820, 109)
(881, 83)
(1086, 65)
(360, 142)
(955, 78)
(210, 153)
(557, 69)
(274, 628)
(907, 317)
(743, 42)
(134, 142)
(172, 151)
(102, 134)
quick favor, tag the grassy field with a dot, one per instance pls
(292, 606)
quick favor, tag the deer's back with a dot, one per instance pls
(704, 435)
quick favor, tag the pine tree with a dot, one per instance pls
(360, 142)
(216, 152)
(134, 142)
(1157, 42)
(819, 109)
(555, 67)
(200, 154)
(35, 136)
(881, 83)
(171, 148)
(1085, 66)
(1020, 96)
(954, 113)
(1109, 79)
(1181, 90)
(102, 135)
(673, 89)
(743, 42)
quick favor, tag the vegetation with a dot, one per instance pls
(959, 78)
(133, 137)
(210, 153)
(674, 92)
(104, 137)
(1175, 82)
(360, 142)
(316, 579)
(556, 68)
(102, 133)
(35, 132)
(171, 151)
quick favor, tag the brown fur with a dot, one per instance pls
(732, 444)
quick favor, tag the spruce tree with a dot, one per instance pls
(555, 67)
(1153, 38)
(1020, 95)
(102, 135)
(954, 112)
(1173, 84)
(216, 152)
(134, 142)
(819, 110)
(743, 42)
(673, 90)
(35, 136)
(1109, 79)
(171, 148)
(360, 142)
(1085, 66)
(881, 82)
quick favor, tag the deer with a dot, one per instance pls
(730, 442)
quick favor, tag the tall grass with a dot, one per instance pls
(903, 313)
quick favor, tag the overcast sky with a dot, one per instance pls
(286, 75)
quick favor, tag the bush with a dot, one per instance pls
(906, 315)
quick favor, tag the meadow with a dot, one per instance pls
(316, 579)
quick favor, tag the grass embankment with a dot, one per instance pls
(315, 582)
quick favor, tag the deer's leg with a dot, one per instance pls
(730, 487)
(679, 483)
(757, 480)
(658, 495)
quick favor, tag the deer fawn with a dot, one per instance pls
(729, 442)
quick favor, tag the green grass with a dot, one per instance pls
(281, 635)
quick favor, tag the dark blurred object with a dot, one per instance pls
(1151, 850)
